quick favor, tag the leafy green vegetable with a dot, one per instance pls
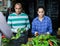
(42, 40)
(18, 35)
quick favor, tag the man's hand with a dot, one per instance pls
(36, 34)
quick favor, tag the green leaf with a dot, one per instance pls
(13, 37)
(54, 41)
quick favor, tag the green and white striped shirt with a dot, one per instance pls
(18, 21)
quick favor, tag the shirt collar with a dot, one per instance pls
(43, 18)
(16, 14)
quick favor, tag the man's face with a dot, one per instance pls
(40, 12)
(18, 9)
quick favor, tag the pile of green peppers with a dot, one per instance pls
(42, 40)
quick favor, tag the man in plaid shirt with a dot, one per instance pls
(41, 24)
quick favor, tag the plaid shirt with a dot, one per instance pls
(42, 27)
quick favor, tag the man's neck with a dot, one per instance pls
(18, 13)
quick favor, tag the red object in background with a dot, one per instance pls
(3, 36)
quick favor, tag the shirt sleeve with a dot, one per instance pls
(50, 26)
(33, 27)
(9, 22)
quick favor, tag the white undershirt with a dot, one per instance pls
(41, 19)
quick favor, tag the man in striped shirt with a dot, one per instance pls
(18, 20)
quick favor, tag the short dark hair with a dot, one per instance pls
(18, 4)
(40, 7)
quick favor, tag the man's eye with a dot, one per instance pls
(18, 8)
